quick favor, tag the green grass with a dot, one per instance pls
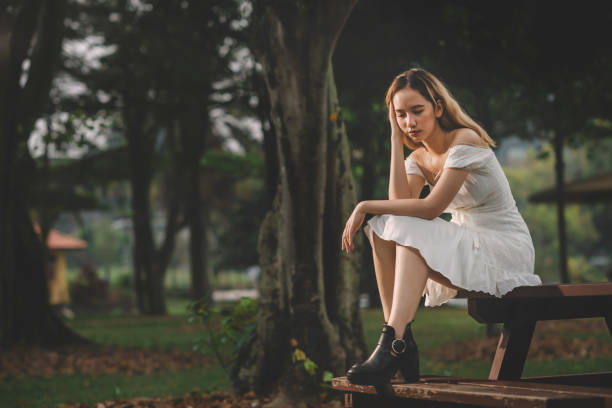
(433, 327)
(70, 389)
(144, 332)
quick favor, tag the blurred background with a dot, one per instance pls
(156, 115)
(147, 165)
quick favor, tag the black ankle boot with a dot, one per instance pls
(409, 362)
(389, 355)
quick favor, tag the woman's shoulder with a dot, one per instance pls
(467, 136)
(418, 155)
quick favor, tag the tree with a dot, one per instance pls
(31, 31)
(308, 288)
(164, 116)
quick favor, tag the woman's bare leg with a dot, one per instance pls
(385, 256)
(411, 273)
(383, 253)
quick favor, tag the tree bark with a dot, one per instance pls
(25, 314)
(308, 291)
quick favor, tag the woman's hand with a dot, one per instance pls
(352, 226)
(395, 129)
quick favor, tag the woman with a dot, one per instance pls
(485, 247)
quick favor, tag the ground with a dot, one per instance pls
(148, 355)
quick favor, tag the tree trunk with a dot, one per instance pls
(308, 290)
(150, 262)
(560, 182)
(194, 128)
(140, 149)
(25, 314)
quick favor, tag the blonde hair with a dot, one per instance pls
(434, 90)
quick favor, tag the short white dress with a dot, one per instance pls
(485, 247)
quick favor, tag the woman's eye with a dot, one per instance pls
(418, 113)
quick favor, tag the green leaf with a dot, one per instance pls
(310, 366)
(327, 376)
(298, 355)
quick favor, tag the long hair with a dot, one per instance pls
(432, 89)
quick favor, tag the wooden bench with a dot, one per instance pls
(519, 311)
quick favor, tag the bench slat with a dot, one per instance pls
(477, 394)
(601, 379)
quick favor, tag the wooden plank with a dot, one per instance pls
(603, 379)
(589, 388)
(474, 394)
(359, 400)
(563, 290)
(586, 391)
(511, 352)
(516, 310)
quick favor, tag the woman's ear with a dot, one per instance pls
(439, 108)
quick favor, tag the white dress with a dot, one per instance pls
(485, 247)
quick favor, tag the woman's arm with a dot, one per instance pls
(430, 207)
(400, 185)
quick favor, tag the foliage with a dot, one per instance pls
(105, 243)
(224, 342)
(308, 371)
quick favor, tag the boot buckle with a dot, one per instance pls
(398, 346)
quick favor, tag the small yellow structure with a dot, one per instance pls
(58, 244)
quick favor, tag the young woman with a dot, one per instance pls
(485, 247)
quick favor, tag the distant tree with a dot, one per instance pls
(161, 78)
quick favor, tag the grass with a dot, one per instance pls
(70, 389)
(433, 327)
(175, 278)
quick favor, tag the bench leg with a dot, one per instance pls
(511, 352)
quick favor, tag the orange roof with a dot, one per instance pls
(57, 240)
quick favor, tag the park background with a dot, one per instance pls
(162, 147)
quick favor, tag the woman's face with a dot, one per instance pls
(414, 112)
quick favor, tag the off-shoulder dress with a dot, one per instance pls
(485, 247)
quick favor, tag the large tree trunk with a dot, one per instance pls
(25, 314)
(308, 290)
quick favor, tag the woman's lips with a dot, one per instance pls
(413, 133)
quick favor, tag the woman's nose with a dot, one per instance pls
(410, 121)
